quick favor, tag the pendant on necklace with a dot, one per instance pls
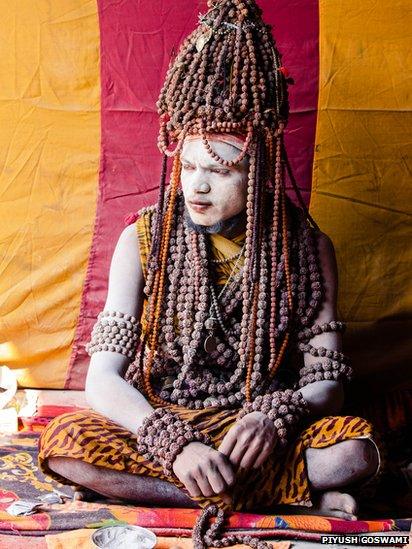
(211, 324)
(210, 344)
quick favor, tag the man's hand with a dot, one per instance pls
(204, 471)
(250, 441)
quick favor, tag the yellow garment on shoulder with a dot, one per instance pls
(221, 248)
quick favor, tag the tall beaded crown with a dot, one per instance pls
(226, 77)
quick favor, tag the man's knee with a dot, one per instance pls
(360, 455)
(344, 463)
(369, 455)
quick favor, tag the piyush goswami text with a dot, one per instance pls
(370, 539)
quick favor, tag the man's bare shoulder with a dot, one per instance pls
(129, 235)
(325, 245)
(125, 278)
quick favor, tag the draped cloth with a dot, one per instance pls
(283, 479)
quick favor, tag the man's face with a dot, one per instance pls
(212, 192)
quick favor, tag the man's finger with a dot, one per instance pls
(237, 453)
(260, 460)
(205, 487)
(217, 482)
(227, 472)
(191, 486)
(228, 442)
(251, 455)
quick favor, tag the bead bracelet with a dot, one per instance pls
(330, 370)
(163, 435)
(116, 332)
(284, 408)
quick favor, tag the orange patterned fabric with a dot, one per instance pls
(90, 437)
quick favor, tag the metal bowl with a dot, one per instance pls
(124, 537)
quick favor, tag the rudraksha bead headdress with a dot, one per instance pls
(228, 77)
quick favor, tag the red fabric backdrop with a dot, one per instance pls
(136, 40)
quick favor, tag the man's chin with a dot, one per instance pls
(201, 221)
(200, 226)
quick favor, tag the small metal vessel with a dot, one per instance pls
(124, 537)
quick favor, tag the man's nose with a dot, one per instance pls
(200, 183)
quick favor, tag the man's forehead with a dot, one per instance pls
(194, 150)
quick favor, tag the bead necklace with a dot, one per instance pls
(227, 259)
(203, 379)
(215, 316)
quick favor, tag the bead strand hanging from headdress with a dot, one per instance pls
(156, 301)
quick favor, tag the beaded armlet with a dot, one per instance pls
(334, 368)
(163, 435)
(116, 332)
(284, 408)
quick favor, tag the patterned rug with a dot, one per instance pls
(20, 479)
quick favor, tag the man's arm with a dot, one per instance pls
(250, 441)
(325, 397)
(106, 390)
(202, 469)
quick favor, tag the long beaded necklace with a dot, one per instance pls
(227, 259)
(215, 317)
(203, 379)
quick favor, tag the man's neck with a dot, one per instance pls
(229, 228)
(235, 230)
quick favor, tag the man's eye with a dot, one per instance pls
(187, 167)
(221, 172)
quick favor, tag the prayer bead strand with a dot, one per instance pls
(159, 219)
(157, 296)
(274, 258)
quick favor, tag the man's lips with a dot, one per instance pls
(199, 206)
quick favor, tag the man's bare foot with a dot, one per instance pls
(80, 493)
(337, 504)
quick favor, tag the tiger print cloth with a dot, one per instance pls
(283, 479)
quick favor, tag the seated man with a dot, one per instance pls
(230, 393)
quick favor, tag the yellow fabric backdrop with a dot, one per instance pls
(361, 194)
(49, 155)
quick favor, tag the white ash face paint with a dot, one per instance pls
(213, 192)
